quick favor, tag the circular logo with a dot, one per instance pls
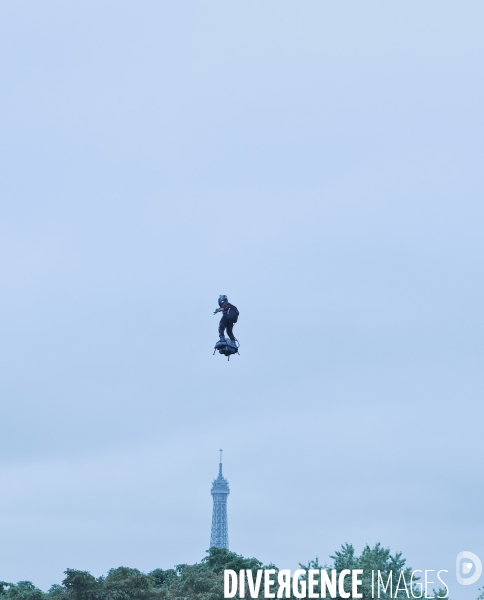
(465, 563)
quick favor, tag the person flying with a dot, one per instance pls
(230, 314)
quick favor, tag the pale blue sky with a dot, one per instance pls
(320, 163)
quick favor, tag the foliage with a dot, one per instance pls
(204, 580)
(394, 574)
(194, 582)
(373, 560)
(219, 559)
(23, 590)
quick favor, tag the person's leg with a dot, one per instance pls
(230, 333)
(221, 329)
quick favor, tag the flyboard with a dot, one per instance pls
(227, 347)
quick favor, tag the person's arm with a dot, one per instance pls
(218, 310)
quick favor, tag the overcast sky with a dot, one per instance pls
(319, 162)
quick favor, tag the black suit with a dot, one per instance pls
(226, 324)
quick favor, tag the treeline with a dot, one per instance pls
(204, 580)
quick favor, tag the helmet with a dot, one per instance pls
(222, 300)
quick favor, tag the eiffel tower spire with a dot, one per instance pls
(220, 491)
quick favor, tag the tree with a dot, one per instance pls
(161, 577)
(219, 559)
(193, 582)
(129, 584)
(81, 585)
(381, 570)
(23, 590)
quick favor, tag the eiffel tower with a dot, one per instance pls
(220, 491)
